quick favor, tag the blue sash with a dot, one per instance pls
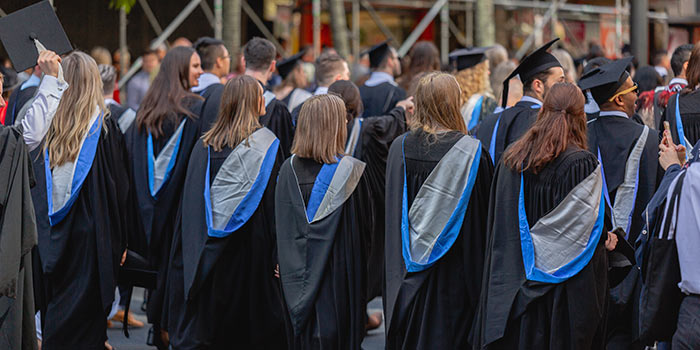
(82, 167)
(318, 191)
(170, 151)
(492, 144)
(476, 112)
(679, 129)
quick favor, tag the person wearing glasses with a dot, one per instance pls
(627, 153)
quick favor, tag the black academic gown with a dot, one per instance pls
(278, 119)
(80, 255)
(376, 136)
(615, 137)
(17, 100)
(516, 313)
(210, 109)
(433, 308)
(157, 214)
(380, 99)
(234, 300)
(512, 123)
(689, 105)
(329, 312)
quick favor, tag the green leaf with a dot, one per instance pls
(122, 4)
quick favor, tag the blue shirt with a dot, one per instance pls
(206, 80)
(377, 78)
(32, 81)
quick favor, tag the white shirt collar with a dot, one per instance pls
(661, 70)
(591, 106)
(206, 80)
(531, 99)
(377, 78)
(613, 113)
(678, 81)
(109, 101)
(32, 81)
(321, 90)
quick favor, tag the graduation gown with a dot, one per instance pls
(17, 238)
(524, 308)
(498, 131)
(210, 108)
(223, 292)
(278, 119)
(81, 243)
(629, 157)
(295, 99)
(17, 100)
(124, 116)
(380, 99)
(683, 115)
(319, 242)
(158, 202)
(430, 305)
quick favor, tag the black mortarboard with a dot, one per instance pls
(467, 58)
(378, 53)
(537, 62)
(605, 80)
(286, 66)
(19, 29)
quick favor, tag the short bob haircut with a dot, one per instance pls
(321, 129)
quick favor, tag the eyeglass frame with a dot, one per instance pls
(634, 88)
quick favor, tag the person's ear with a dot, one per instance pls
(273, 64)
(685, 66)
(337, 77)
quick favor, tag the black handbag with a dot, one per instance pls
(135, 272)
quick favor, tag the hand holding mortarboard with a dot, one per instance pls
(49, 62)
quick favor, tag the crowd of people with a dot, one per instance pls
(548, 203)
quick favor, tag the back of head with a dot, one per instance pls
(108, 75)
(238, 113)
(168, 95)
(321, 129)
(350, 94)
(647, 78)
(424, 57)
(496, 55)
(328, 65)
(209, 49)
(81, 100)
(101, 55)
(680, 56)
(659, 57)
(561, 123)
(474, 80)
(259, 54)
(437, 101)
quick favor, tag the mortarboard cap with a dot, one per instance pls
(537, 62)
(286, 66)
(19, 29)
(604, 81)
(378, 53)
(467, 58)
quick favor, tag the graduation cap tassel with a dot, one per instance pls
(41, 48)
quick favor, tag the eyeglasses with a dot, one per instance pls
(634, 88)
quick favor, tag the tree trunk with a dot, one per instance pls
(485, 27)
(339, 27)
(231, 25)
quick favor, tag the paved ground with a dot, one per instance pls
(137, 340)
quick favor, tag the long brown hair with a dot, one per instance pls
(350, 94)
(321, 129)
(81, 100)
(693, 71)
(423, 57)
(238, 114)
(560, 123)
(167, 97)
(437, 102)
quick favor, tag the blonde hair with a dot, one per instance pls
(321, 129)
(238, 114)
(437, 102)
(474, 80)
(78, 104)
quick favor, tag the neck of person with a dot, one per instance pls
(614, 110)
(213, 72)
(386, 70)
(532, 94)
(260, 76)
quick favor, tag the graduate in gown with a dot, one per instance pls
(472, 73)
(627, 152)
(329, 68)
(260, 63)
(319, 232)
(216, 64)
(224, 246)
(538, 72)
(369, 140)
(380, 93)
(291, 90)
(166, 129)
(682, 110)
(22, 95)
(81, 201)
(123, 115)
(662, 95)
(545, 276)
(437, 193)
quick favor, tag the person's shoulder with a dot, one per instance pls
(575, 159)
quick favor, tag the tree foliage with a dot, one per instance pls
(122, 4)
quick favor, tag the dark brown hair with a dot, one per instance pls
(166, 98)
(328, 65)
(424, 57)
(350, 94)
(437, 102)
(693, 71)
(238, 116)
(560, 123)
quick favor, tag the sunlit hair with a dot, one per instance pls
(437, 101)
(167, 97)
(321, 129)
(238, 114)
(693, 70)
(81, 100)
(560, 123)
(474, 80)
(350, 94)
